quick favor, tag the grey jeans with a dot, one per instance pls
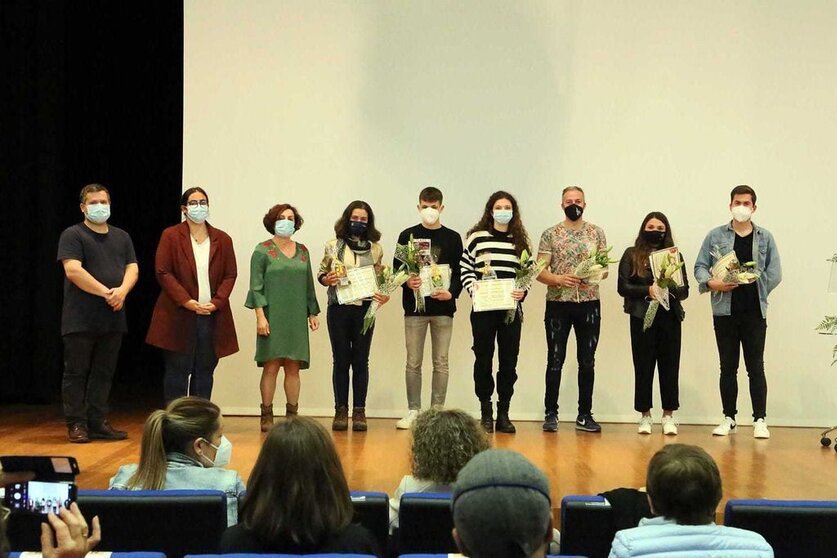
(415, 332)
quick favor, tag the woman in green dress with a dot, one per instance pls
(282, 294)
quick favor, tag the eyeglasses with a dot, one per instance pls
(196, 203)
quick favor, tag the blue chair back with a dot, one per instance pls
(792, 527)
(240, 555)
(371, 509)
(425, 522)
(587, 526)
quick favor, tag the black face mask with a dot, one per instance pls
(357, 228)
(573, 212)
(654, 238)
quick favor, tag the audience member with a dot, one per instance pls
(184, 447)
(684, 489)
(443, 442)
(297, 498)
(501, 507)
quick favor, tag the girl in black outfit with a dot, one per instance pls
(660, 345)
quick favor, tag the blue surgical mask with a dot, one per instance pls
(503, 216)
(357, 228)
(223, 452)
(98, 213)
(284, 227)
(197, 213)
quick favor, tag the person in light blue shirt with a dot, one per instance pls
(684, 489)
(184, 447)
(739, 306)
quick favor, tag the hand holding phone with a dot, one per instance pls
(39, 497)
(73, 538)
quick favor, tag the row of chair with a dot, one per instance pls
(190, 522)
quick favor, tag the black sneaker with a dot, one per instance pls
(587, 424)
(550, 422)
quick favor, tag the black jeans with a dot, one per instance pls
(486, 328)
(586, 319)
(659, 347)
(733, 333)
(89, 364)
(199, 363)
(349, 349)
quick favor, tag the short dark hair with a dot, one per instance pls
(684, 484)
(572, 189)
(341, 227)
(92, 189)
(430, 194)
(184, 199)
(272, 215)
(297, 490)
(741, 190)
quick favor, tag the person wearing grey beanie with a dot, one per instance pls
(501, 507)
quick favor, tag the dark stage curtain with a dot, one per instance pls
(91, 91)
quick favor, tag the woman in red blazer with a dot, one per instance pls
(192, 320)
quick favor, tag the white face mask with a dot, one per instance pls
(429, 215)
(741, 213)
(223, 452)
(98, 213)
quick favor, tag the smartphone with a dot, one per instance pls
(46, 468)
(39, 497)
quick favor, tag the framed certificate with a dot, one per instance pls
(493, 294)
(363, 283)
(431, 284)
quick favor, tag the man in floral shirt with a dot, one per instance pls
(571, 302)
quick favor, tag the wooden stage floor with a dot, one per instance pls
(790, 465)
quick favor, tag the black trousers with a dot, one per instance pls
(192, 373)
(659, 348)
(486, 328)
(586, 319)
(732, 334)
(89, 364)
(349, 349)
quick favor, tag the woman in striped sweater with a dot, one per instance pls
(495, 244)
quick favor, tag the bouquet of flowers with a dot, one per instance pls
(668, 265)
(408, 255)
(388, 282)
(728, 269)
(593, 267)
(530, 268)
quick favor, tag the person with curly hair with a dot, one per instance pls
(444, 440)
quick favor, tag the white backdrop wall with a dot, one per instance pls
(649, 105)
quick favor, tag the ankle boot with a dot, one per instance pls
(503, 423)
(291, 409)
(266, 420)
(359, 419)
(487, 418)
(341, 418)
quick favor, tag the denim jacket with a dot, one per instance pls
(765, 254)
(185, 473)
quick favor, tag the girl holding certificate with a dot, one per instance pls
(348, 269)
(492, 251)
(658, 345)
(282, 295)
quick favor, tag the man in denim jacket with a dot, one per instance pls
(739, 311)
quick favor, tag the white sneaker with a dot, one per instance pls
(645, 423)
(669, 426)
(407, 422)
(760, 429)
(725, 428)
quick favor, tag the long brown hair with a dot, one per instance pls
(486, 223)
(297, 490)
(639, 258)
(341, 227)
(172, 429)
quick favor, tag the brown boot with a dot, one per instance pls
(291, 410)
(266, 421)
(341, 418)
(359, 419)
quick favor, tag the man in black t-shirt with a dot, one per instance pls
(441, 246)
(100, 269)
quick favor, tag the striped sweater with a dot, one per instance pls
(492, 247)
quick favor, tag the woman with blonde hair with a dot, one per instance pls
(444, 440)
(297, 498)
(184, 447)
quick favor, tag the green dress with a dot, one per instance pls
(284, 288)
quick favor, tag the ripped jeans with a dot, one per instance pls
(560, 317)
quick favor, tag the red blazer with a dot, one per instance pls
(172, 326)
